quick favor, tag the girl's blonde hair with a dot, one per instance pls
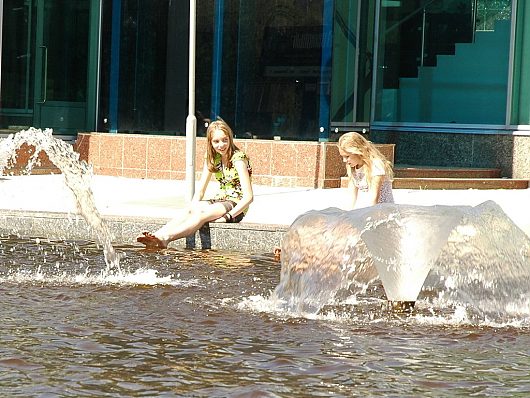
(219, 124)
(355, 144)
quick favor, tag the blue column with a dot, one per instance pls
(114, 66)
(325, 69)
(217, 67)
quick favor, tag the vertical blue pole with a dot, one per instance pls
(114, 66)
(239, 71)
(217, 59)
(325, 69)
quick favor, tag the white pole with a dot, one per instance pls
(191, 120)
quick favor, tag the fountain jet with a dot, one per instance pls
(327, 252)
(77, 176)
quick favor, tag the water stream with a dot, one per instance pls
(77, 177)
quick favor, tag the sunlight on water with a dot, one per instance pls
(147, 277)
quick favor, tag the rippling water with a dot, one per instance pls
(202, 324)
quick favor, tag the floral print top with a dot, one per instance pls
(359, 179)
(228, 177)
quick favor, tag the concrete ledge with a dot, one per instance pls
(248, 237)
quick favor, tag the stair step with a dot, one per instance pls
(445, 172)
(37, 170)
(459, 183)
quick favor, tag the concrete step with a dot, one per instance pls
(414, 177)
(445, 172)
(37, 170)
(427, 177)
(459, 183)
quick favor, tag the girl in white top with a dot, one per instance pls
(370, 173)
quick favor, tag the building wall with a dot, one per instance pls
(274, 163)
(509, 153)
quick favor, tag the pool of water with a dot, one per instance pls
(202, 324)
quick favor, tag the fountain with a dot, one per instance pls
(209, 326)
(461, 248)
(77, 177)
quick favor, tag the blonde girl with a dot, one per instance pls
(231, 168)
(370, 173)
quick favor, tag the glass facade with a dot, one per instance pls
(259, 66)
(520, 110)
(443, 62)
(296, 69)
(18, 66)
(47, 47)
(353, 39)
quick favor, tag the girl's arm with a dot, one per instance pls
(203, 183)
(375, 189)
(355, 191)
(246, 186)
(352, 186)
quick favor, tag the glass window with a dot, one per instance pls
(271, 67)
(18, 64)
(438, 64)
(258, 65)
(521, 78)
(352, 63)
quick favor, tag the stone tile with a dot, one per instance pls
(284, 159)
(333, 165)
(177, 175)
(521, 157)
(111, 151)
(158, 174)
(135, 173)
(158, 154)
(109, 171)
(260, 155)
(177, 155)
(81, 144)
(135, 152)
(307, 160)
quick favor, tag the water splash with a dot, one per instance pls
(323, 257)
(77, 177)
(404, 241)
(458, 256)
(142, 276)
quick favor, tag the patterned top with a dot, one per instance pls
(228, 177)
(359, 179)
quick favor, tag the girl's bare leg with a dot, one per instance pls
(182, 226)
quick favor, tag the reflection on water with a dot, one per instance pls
(203, 324)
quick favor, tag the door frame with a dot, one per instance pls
(66, 109)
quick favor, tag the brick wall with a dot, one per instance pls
(275, 163)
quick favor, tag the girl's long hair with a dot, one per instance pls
(355, 144)
(219, 124)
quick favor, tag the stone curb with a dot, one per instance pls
(247, 237)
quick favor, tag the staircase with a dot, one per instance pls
(453, 90)
(453, 178)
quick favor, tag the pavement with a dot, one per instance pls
(133, 205)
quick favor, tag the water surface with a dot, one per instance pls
(202, 324)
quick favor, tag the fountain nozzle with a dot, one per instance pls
(401, 306)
